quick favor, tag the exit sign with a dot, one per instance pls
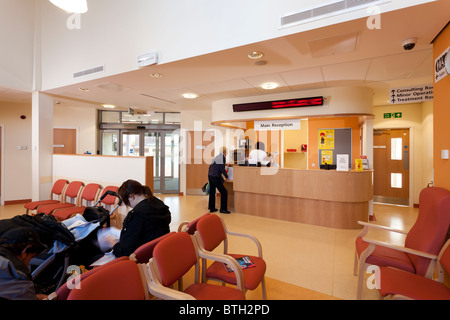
(392, 115)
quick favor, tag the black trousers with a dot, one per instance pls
(217, 182)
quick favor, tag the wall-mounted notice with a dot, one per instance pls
(288, 124)
(326, 139)
(441, 65)
(411, 94)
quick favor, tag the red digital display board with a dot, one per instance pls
(280, 104)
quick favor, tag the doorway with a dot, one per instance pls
(391, 162)
(64, 141)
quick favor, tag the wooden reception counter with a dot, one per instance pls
(329, 198)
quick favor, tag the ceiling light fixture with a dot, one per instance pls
(269, 85)
(73, 6)
(84, 89)
(109, 106)
(190, 95)
(255, 55)
(156, 75)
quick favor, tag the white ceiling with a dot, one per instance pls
(339, 55)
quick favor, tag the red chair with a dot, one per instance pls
(57, 191)
(71, 198)
(211, 233)
(405, 285)
(422, 245)
(119, 281)
(89, 196)
(190, 227)
(144, 253)
(110, 202)
(63, 292)
(172, 258)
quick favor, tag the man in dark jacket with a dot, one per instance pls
(148, 220)
(215, 172)
(17, 247)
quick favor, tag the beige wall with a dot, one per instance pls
(418, 117)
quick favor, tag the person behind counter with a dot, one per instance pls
(215, 172)
(148, 220)
(258, 154)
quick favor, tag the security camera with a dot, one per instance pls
(409, 44)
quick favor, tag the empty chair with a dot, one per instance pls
(119, 281)
(71, 198)
(422, 244)
(191, 227)
(109, 202)
(89, 196)
(406, 285)
(57, 192)
(173, 257)
(211, 233)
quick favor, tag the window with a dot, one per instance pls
(396, 180)
(396, 148)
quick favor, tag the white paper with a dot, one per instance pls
(107, 237)
(342, 162)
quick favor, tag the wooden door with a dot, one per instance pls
(199, 145)
(391, 160)
(65, 141)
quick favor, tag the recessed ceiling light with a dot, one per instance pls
(109, 106)
(84, 89)
(156, 75)
(269, 85)
(255, 55)
(190, 95)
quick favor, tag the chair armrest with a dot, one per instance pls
(228, 260)
(256, 241)
(158, 290)
(400, 248)
(182, 225)
(377, 226)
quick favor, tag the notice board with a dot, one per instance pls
(333, 142)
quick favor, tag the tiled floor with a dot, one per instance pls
(304, 261)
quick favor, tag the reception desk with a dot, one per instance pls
(329, 198)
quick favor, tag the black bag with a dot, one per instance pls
(48, 228)
(97, 214)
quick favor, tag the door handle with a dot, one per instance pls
(405, 159)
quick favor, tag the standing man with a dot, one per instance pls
(215, 172)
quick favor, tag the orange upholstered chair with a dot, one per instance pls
(71, 198)
(422, 244)
(405, 285)
(191, 227)
(89, 196)
(172, 258)
(63, 292)
(211, 233)
(57, 192)
(110, 202)
(144, 253)
(119, 281)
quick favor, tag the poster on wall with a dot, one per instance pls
(326, 139)
(442, 66)
(327, 157)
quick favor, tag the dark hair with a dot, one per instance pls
(133, 187)
(260, 146)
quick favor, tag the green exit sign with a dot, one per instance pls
(393, 115)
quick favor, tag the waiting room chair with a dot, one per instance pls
(191, 227)
(144, 253)
(89, 196)
(71, 198)
(63, 292)
(173, 257)
(211, 232)
(422, 244)
(56, 196)
(110, 202)
(123, 280)
(405, 285)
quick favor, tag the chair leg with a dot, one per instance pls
(362, 267)
(355, 264)
(263, 287)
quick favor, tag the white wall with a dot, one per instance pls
(16, 34)
(17, 163)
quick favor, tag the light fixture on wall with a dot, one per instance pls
(73, 6)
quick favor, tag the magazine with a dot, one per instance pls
(244, 262)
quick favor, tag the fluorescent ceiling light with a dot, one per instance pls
(109, 106)
(74, 6)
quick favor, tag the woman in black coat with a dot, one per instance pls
(148, 220)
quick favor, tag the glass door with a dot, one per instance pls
(152, 148)
(131, 143)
